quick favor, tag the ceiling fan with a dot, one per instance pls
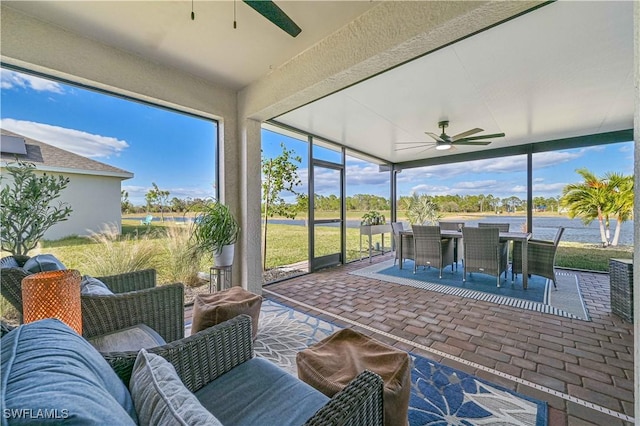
(445, 142)
(273, 13)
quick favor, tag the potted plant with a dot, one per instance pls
(372, 218)
(216, 230)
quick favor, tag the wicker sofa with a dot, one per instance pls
(137, 300)
(215, 365)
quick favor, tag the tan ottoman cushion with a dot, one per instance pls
(332, 363)
(212, 309)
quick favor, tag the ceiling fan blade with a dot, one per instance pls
(413, 147)
(468, 142)
(433, 135)
(415, 143)
(465, 134)
(495, 135)
(273, 13)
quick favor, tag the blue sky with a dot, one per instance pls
(177, 151)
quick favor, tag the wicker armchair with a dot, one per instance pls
(407, 242)
(483, 252)
(541, 257)
(137, 300)
(430, 249)
(201, 358)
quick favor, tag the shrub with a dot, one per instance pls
(116, 254)
(182, 258)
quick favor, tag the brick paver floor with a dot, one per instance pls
(582, 369)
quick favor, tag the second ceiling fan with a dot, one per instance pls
(444, 142)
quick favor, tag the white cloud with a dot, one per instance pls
(11, 79)
(76, 141)
(137, 193)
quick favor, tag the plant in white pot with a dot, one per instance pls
(216, 230)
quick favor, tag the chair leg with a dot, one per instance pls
(498, 280)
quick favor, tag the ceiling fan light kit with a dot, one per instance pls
(444, 142)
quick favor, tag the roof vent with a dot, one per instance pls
(13, 145)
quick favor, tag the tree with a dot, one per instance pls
(620, 189)
(156, 195)
(421, 209)
(278, 174)
(125, 204)
(27, 209)
(588, 200)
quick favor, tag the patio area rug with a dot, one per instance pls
(540, 295)
(440, 395)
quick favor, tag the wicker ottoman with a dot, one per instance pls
(331, 363)
(212, 309)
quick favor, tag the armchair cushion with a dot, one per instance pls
(161, 398)
(131, 338)
(47, 366)
(269, 387)
(42, 263)
(91, 285)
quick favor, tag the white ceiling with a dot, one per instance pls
(208, 47)
(563, 70)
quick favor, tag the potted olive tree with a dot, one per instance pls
(216, 230)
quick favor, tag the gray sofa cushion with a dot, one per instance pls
(131, 338)
(42, 263)
(160, 397)
(258, 392)
(48, 369)
(93, 286)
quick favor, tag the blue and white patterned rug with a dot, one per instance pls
(440, 395)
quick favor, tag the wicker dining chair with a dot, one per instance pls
(136, 300)
(430, 249)
(407, 242)
(502, 227)
(483, 252)
(458, 245)
(541, 257)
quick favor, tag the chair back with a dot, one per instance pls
(426, 242)
(396, 228)
(556, 239)
(502, 227)
(451, 226)
(482, 250)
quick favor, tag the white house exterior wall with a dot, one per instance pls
(95, 200)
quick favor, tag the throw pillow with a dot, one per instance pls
(42, 263)
(130, 339)
(93, 286)
(9, 262)
(161, 398)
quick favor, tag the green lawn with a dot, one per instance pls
(288, 244)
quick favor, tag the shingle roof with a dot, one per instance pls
(45, 155)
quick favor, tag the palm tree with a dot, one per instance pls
(588, 200)
(421, 209)
(621, 207)
(604, 198)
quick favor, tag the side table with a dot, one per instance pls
(621, 288)
(219, 278)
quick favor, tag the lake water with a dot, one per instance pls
(544, 228)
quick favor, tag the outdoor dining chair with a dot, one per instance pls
(541, 257)
(407, 242)
(430, 249)
(483, 252)
(458, 249)
(502, 227)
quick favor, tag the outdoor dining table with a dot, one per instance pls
(521, 237)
